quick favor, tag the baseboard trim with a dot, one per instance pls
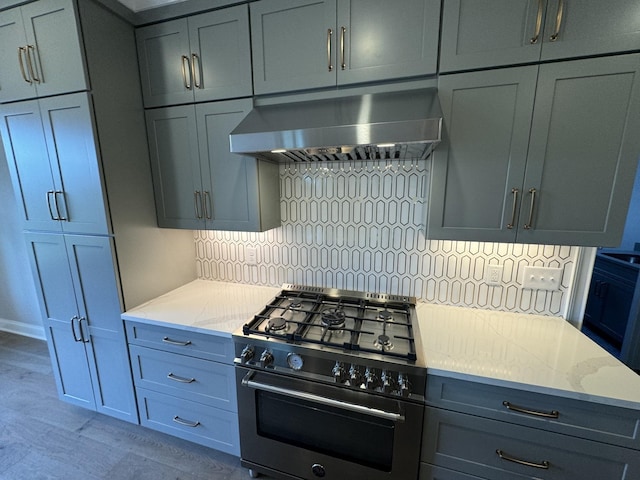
(24, 329)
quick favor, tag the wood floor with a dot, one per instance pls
(43, 438)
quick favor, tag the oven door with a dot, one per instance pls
(311, 430)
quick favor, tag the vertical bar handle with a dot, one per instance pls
(343, 65)
(185, 69)
(329, 62)
(57, 205)
(206, 203)
(554, 37)
(536, 35)
(22, 53)
(51, 193)
(197, 203)
(85, 340)
(30, 65)
(73, 329)
(195, 70)
(528, 225)
(514, 192)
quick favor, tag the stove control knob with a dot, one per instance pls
(247, 354)
(370, 379)
(338, 372)
(403, 385)
(266, 359)
(354, 376)
(387, 382)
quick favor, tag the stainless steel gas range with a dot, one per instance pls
(331, 385)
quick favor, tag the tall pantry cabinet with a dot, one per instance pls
(78, 160)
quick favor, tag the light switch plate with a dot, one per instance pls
(542, 278)
(251, 255)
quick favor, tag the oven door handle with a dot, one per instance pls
(395, 417)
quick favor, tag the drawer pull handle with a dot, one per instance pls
(536, 413)
(544, 465)
(180, 379)
(186, 423)
(175, 342)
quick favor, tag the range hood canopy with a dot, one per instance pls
(396, 125)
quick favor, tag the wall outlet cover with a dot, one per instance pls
(493, 275)
(542, 278)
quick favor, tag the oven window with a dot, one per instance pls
(342, 434)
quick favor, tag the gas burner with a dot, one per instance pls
(385, 315)
(383, 343)
(275, 324)
(333, 318)
(295, 303)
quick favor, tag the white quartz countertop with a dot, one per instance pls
(529, 352)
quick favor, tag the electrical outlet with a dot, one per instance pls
(542, 278)
(251, 255)
(494, 275)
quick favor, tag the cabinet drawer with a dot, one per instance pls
(431, 472)
(184, 342)
(189, 420)
(472, 444)
(614, 425)
(190, 378)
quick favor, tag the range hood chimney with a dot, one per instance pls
(395, 125)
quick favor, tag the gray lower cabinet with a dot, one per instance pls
(200, 58)
(60, 184)
(42, 52)
(525, 31)
(181, 389)
(539, 154)
(79, 298)
(305, 44)
(481, 431)
(199, 184)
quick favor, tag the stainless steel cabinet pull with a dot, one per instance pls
(80, 320)
(185, 69)
(535, 413)
(514, 192)
(57, 205)
(73, 328)
(329, 62)
(343, 65)
(206, 203)
(554, 37)
(197, 202)
(527, 226)
(177, 419)
(352, 407)
(180, 379)
(50, 194)
(543, 465)
(536, 34)
(30, 64)
(195, 70)
(175, 342)
(22, 53)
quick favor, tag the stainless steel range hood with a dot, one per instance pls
(397, 125)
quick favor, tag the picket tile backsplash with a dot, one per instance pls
(361, 226)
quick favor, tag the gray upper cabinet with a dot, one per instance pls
(486, 33)
(555, 170)
(41, 52)
(80, 301)
(199, 184)
(59, 184)
(201, 58)
(305, 44)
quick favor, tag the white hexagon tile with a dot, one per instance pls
(361, 226)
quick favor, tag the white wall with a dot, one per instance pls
(19, 310)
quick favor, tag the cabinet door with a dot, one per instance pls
(58, 59)
(484, 33)
(583, 151)
(56, 294)
(617, 296)
(381, 41)
(14, 77)
(294, 44)
(590, 27)
(99, 307)
(487, 117)
(165, 63)
(28, 160)
(175, 165)
(68, 128)
(229, 180)
(595, 301)
(221, 54)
